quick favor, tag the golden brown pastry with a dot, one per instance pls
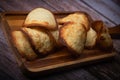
(55, 34)
(23, 46)
(104, 40)
(73, 36)
(78, 17)
(91, 39)
(41, 17)
(41, 41)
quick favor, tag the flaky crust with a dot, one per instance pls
(40, 40)
(55, 36)
(91, 39)
(104, 40)
(77, 17)
(23, 46)
(41, 17)
(73, 37)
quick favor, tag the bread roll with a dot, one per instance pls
(41, 17)
(23, 46)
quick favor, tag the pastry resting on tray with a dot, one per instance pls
(42, 34)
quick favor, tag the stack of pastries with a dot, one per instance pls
(42, 33)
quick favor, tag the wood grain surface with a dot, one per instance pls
(105, 10)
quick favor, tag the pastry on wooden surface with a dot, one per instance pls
(41, 17)
(104, 40)
(23, 46)
(91, 39)
(78, 17)
(55, 34)
(73, 36)
(40, 40)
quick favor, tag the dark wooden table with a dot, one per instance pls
(106, 10)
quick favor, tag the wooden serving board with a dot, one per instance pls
(60, 60)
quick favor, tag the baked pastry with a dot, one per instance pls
(40, 40)
(73, 36)
(41, 17)
(91, 39)
(78, 17)
(23, 46)
(104, 40)
(55, 34)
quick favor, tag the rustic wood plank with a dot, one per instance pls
(9, 5)
(14, 70)
(72, 77)
(49, 4)
(8, 65)
(105, 71)
(76, 74)
(104, 7)
(78, 6)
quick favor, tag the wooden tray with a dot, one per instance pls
(57, 61)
